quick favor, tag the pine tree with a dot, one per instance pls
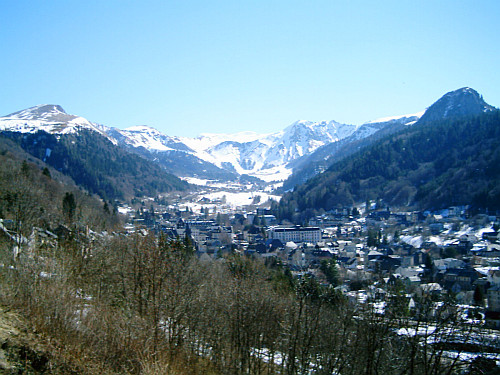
(329, 269)
(46, 172)
(69, 206)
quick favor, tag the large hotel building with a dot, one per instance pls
(296, 234)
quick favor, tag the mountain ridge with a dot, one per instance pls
(452, 160)
(111, 172)
(51, 118)
(303, 148)
(244, 153)
(318, 161)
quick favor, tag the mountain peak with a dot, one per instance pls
(51, 118)
(462, 102)
(46, 112)
(49, 108)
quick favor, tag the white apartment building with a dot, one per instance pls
(296, 234)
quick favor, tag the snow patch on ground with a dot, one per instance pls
(227, 201)
(278, 173)
(124, 210)
(240, 199)
(437, 240)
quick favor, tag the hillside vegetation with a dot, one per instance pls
(309, 165)
(144, 305)
(32, 194)
(94, 163)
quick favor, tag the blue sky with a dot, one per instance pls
(189, 67)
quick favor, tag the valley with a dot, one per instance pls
(323, 248)
(250, 188)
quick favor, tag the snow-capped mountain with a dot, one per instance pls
(49, 118)
(265, 156)
(268, 157)
(319, 160)
(148, 138)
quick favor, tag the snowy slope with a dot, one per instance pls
(266, 156)
(148, 138)
(49, 118)
(371, 127)
(401, 118)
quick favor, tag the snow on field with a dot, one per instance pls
(420, 331)
(239, 199)
(469, 357)
(216, 184)
(226, 201)
(278, 173)
(197, 181)
(124, 210)
(269, 175)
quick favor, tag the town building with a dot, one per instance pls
(296, 234)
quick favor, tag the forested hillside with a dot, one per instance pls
(453, 105)
(308, 166)
(182, 163)
(430, 165)
(34, 195)
(93, 162)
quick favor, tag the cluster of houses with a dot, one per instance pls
(428, 253)
(438, 254)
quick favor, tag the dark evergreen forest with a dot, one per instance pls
(97, 165)
(427, 166)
